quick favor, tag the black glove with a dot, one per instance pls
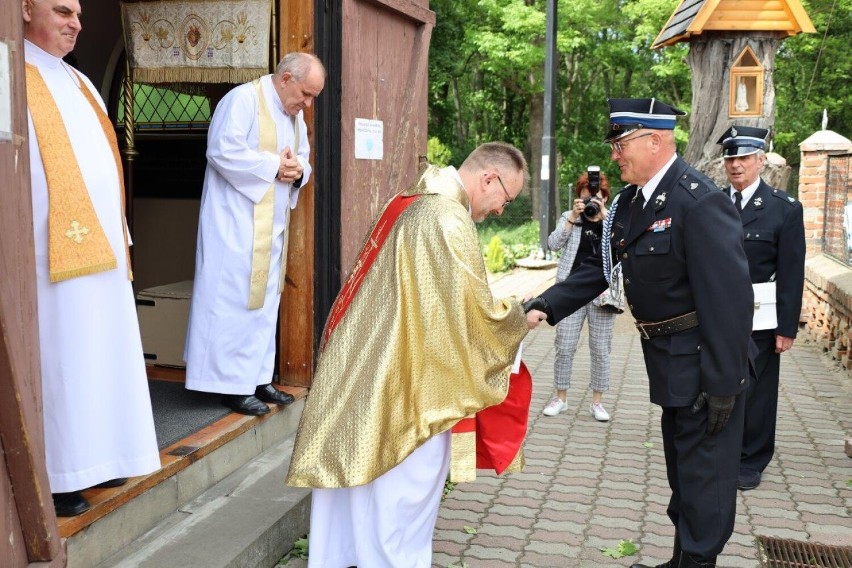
(537, 303)
(718, 410)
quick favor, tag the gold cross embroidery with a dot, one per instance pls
(76, 232)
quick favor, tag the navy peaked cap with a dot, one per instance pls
(742, 140)
(628, 115)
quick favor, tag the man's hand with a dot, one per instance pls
(289, 170)
(535, 317)
(783, 344)
(718, 410)
(537, 303)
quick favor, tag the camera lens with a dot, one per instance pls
(592, 208)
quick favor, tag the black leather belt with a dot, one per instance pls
(649, 329)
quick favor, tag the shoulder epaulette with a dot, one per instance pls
(695, 186)
(784, 196)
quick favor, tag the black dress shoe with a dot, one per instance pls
(117, 482)
(748, 480)
(245, 404)
(270, 394)
(687, 561)
(70, 504)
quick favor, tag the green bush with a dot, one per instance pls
(513, 243)
(437, 153)
(495, 256)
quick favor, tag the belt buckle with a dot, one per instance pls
(642, 332)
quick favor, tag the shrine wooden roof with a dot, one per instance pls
(694, 17)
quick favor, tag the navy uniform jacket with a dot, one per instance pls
(774, 241)
(684, 254)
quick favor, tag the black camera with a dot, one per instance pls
(592, 208)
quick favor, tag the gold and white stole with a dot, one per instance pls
(264, 211)
(77, 244)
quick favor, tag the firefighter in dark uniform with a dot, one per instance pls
(774, 241)
(679, 244)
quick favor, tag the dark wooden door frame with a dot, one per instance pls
(21, 426)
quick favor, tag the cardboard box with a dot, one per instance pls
(163, 315)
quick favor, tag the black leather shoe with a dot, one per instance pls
(748, 480)
(270, 394)
(117, 482)
(245, 404)
(70, 504)
(687, 561)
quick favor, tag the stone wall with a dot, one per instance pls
(827, 302)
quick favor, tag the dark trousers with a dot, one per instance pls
(761, 405)
(702, 472)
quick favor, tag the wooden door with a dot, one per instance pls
(28, 532)
(376, 54)
(385, 62)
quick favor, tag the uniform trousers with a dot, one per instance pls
(702, 472)
(761, 405)
(387, 523)
(601, 322)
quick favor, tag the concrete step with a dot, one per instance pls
(228, 509)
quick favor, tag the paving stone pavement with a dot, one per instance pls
(588, 485)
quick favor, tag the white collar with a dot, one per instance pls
(39, 57)
(747, 193)
(648, 188)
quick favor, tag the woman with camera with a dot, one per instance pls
(578, 236)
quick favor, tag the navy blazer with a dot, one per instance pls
(774, 241)
(684, 253)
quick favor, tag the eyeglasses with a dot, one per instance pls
(508, 199)
(618, 147)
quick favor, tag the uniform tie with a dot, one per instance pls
(636, 208)
(738, 201)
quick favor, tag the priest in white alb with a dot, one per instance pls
(257, 161)
(98, 425)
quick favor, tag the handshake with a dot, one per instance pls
(537, 310)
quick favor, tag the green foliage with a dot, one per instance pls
(812, 73)
(486, 78)
(495, 256)
(469, 530)
(437, 153)
(624, 548)
(299, 550)
(448, 486)
(514, 242)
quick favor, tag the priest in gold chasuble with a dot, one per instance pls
(415, 347)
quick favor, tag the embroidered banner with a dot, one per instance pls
(197, 41)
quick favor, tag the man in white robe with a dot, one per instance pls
(230, 347)
(98, 425)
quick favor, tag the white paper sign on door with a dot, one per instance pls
(369, 136)
(5, 93)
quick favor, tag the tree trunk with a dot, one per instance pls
(710, 58)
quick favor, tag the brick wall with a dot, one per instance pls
(827, 301)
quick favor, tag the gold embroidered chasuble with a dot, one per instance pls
(422, 344)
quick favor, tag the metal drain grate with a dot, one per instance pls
(783, 553)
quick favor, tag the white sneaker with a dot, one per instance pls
(599, 412)
(554, 407)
